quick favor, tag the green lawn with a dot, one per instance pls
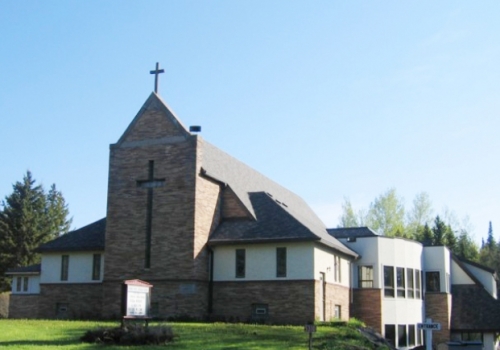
(46, 335)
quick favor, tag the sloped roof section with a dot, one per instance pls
(352, 232)
(25, 270)
(474, 309)
(278, 213)
(154, 123)
(87, 238)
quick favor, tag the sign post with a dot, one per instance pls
(429, 327)
(310, 328)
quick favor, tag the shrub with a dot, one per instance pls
(4, 305)
(130, 335)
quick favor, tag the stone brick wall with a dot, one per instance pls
(232, 206)
(84, 301)
(367, 306)
(290, 302)
(24, 306)
(438, 307)
(334, 295)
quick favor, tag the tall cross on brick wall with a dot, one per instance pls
(151, 183)
(157, 72)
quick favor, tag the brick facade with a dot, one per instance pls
(289, 302)
(367, 307)
(334, 295)
(180, 225)
(438, 307)
(24, 306)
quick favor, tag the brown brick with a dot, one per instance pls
(367, 307)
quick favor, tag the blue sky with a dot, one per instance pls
(331, 99)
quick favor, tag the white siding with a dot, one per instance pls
(485, 277)
(260, 262)
(458, 276)
(79, 269)
(438, 259)
(33, 284)
(324, 262)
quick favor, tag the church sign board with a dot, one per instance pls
(136, 299)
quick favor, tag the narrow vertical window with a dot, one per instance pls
(338, 269)
(338, 312)
(280, 262)
(18, 284)
(96, 267)
(389, 281)
(390, 333)
(411, 335)
(25, 284)
(402, 336)
(418, 284)
(240, 263)
(410, 283)
(64, 267)
(432, 281)
(365, 276)
(400, 275)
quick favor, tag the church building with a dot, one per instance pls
(220, 241)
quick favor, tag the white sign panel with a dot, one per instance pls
(429, 326)
(137, 301)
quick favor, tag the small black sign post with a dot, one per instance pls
(136, 301)
(310, 328)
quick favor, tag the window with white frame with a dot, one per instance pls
(432, 281)
(365, 276)
(64, 267)
(22, 284)
(389, 281)
(337, 269)
(418, 284)
(400, 277)
(410, 283)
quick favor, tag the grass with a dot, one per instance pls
(48, 335)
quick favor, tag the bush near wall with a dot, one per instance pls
(4, 304)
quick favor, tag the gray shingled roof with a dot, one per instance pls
(279, 213)
(352, 232)
(25, 270)
(474, 309)
(87, 238)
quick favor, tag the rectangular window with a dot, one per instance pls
(390, 333)
(419, 337)
(432, 283)
(389, 281)
(365, 276)
(410, 283)
(411, 335)
(402, 336)
(64, 267)
(336, 269)
(96, 267)
(338, 314)
(18, 284)
(400, 276)
(280, 262)
(25, 284)
(240, 263)
(418, 285)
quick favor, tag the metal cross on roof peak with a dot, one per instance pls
(156, 72)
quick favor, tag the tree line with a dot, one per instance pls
(29, 217)
(388, 216)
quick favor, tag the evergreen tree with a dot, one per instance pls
(466, 248)
(28, 218)
(439, 232)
